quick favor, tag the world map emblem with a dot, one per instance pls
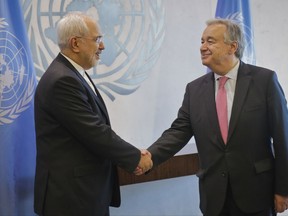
(16, 82)
(133, 35)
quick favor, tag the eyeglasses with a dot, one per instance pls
(97, 39)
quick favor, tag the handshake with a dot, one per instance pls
(145, 163)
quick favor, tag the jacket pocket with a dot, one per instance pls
(263, 165)
(254, 108)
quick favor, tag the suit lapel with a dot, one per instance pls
(243, 81)
(242, 86)
(98, 98)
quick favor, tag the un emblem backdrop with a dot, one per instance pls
(133, 35)
(16, 78)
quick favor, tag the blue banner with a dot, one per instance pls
(17, 136)
(239, 11)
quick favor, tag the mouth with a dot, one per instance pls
(98, 54)
(204, 55)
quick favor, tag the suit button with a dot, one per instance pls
(223, 174)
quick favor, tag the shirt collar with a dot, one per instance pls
(77, 66)
(232, 74)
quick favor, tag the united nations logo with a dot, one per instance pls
(133, 35)
(16, 85)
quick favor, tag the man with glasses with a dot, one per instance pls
(77, 150)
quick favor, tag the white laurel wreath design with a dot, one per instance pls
(3, 23)
(7, 116)
(137, 70)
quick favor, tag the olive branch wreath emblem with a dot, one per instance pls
(7, 116)
(136, 70)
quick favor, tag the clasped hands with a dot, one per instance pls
(145, 163)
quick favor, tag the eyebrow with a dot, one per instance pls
(209, 38)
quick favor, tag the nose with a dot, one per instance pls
(203, 46)
(101, 45)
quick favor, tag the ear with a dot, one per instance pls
(74, 44)
(233, 47)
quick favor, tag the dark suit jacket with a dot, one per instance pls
(259, 114)
(76, 148)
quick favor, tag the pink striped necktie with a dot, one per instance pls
(222, 109)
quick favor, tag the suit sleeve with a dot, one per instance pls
(176, 137)
(278, 117)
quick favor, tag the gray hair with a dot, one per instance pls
(73, 24)
(234, 34)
